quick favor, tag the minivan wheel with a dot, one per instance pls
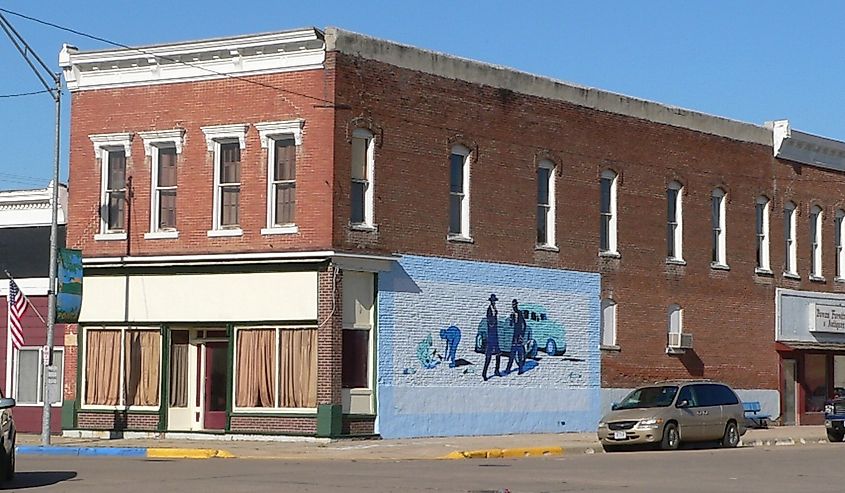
(834, 436)
(671, 438)
(731, 438)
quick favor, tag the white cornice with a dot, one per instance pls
(233, 131)
(154, 137)
(289, 127)
(345, 260)
(805, 148)
(301, 49)
(25, 208)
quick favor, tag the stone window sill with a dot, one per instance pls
(110, 237)
(225, 232)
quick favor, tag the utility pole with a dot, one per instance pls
(55, 90)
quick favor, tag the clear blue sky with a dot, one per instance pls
(750, 61)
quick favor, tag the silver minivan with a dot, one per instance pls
(668, 413)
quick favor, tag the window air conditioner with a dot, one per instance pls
(680, 340)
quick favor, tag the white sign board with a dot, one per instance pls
(828, 318)
(53, 390)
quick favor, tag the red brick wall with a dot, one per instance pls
(417, 116)
(191, 106)
(117, 421)
(329, 337)
(358, 425)
(265, 424)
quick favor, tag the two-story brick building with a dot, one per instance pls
(324, 233)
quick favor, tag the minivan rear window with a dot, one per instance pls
(649, 397)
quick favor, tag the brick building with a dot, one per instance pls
(25, 218)
(313, 232)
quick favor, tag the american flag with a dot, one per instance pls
(17, 307)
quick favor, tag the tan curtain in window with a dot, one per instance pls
(298, 368)
(142, 359)
(102, 367)
(256, 372)
(179, 375)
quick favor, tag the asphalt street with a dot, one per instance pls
(816, 468)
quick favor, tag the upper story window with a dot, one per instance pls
(816, 241)
(674, 221)
(363, 163)
(838, 235)
(163, 148)
(791, 243)
(546, 204)
(607, 208)
(281, 140)
(608, 323)
(762, 230)
(112, 150)
(676, 319)
(459, 173)
(226, 142)
(717, 221)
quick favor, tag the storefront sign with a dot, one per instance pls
(828, 318)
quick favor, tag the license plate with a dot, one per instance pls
(619, 435)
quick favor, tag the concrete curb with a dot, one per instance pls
(161, 453)
(505, 453)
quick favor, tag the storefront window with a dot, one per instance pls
(815, 379)
(839, 375)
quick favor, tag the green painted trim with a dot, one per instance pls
(234, 268)
(68, 409)
(164, 395)
(230, 371)
(80, 352)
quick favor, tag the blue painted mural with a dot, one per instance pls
(453, 360)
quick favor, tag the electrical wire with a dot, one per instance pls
(21, 94)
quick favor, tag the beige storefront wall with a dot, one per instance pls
(272, 296)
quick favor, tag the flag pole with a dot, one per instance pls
(10, 351)
(30, 304)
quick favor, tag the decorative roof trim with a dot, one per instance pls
(805, 148)
(300, 49)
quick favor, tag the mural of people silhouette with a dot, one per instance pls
(518, 340)
(492, 338)
(452, 335)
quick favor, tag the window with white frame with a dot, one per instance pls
(459, 173)
(357, 341)
(29, 376)
(790, 242)
(607, 209)
(546, 204)
(816, 241)
(840, 252)
(717, 221)
(674, 221)
(275, 368)
(281, 139)
(676, 319)
(226, 142)
(122, 367)
(762, 230)
(163, 148)
(363, 164)
(608, 323)
(112, 150)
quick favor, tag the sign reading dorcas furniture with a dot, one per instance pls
(828, 318)
(69, 280)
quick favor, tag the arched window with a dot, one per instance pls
(459, 173)
(546, 204)
(674, 221)
(762, 230)
(607, 208)
(363, 164)
(838, 236)
(790, 242)
(608, 323)
(816, 241)
(676, 319)
(719, 254)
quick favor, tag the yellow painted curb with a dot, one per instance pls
(188, 453)
(508, 453)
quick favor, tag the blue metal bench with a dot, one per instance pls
(754, 418)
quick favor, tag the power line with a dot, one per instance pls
(21, 94)
(121, 45)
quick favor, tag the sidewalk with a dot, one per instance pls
(375, 449)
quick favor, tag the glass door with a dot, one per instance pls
(214, 385)
(789, 372)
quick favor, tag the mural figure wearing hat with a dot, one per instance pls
(492, 337)
(518, 341)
